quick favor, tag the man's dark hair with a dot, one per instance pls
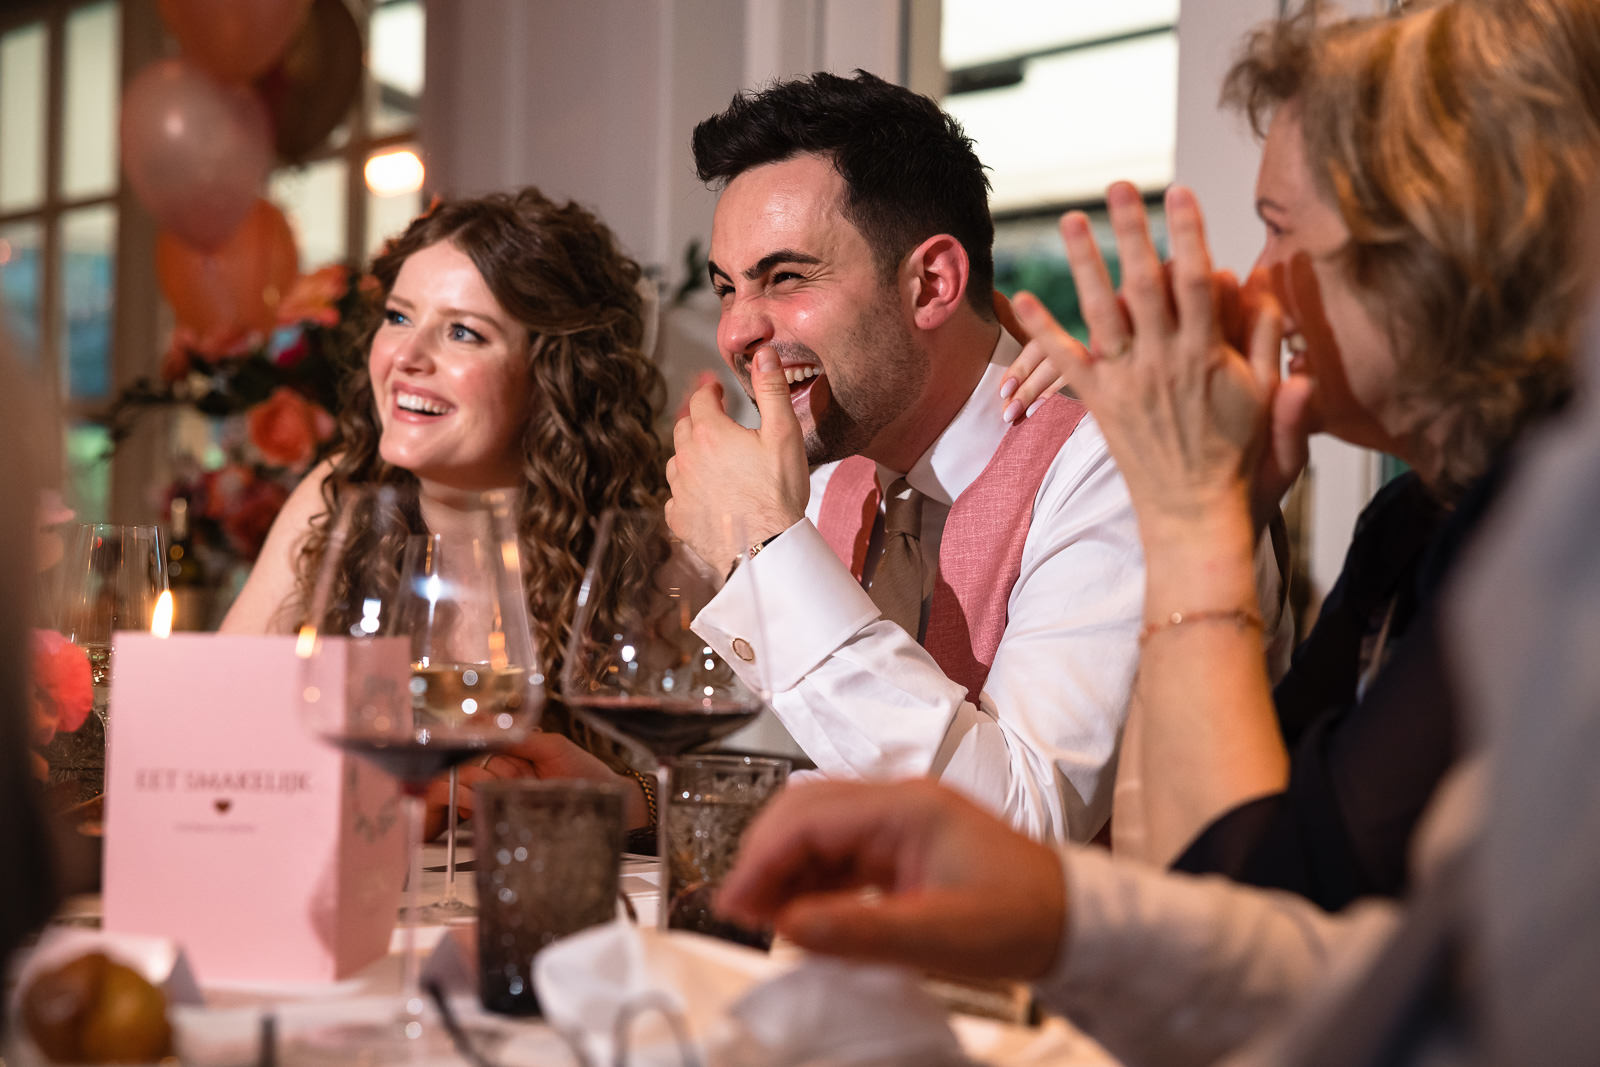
(909, 169)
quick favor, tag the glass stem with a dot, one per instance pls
(450, 845)
(410, 971)
(663, 787)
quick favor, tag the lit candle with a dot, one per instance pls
(161, 617)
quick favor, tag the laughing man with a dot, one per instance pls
(950, 587)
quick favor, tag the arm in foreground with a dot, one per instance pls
(1159, 968)
(960, 892)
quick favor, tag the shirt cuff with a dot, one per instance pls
(786, 610)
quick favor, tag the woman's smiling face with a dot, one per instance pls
(449, 369)
(1345, 349)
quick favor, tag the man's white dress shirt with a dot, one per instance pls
(865, 700)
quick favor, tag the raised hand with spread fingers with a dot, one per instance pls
(1188, 413)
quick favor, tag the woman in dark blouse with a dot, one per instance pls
(1420, 183)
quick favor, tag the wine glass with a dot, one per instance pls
(634, 669)
(452, 653)
(110, 578)
(415, 723)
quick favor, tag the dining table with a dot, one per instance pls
(234, 1024)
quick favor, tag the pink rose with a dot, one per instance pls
(63, 689)
(250, 514)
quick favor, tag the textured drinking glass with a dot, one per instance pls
(548, 856)
(713, 799)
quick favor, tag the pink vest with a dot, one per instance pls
(980, 553)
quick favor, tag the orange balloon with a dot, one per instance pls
(236, 288)
(234, 39)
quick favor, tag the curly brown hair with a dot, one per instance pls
(588, 445)
(1459, 143)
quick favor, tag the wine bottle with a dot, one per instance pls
(186, 573)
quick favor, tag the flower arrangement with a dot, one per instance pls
(278, 390)
(63, 691)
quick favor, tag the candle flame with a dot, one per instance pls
(306, 643)
(161, 617)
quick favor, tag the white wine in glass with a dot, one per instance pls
(356, 600)
(455, 675)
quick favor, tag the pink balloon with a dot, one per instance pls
(195, 151)
(234, 39)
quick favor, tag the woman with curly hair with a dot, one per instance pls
(506, 352)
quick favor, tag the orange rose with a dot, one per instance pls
(223, 344)
(284, 427)
(312, 297)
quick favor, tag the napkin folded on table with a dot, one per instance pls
(739, 1007)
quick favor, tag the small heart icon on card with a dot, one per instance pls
(222, 804)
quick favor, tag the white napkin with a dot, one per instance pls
(738, 1007)
(825, 1011)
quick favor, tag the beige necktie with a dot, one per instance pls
(897, 582)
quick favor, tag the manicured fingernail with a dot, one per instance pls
(1013, 409)
(1008, 387)
(1034, 406)
(766, 359)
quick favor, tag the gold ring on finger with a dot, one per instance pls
(1123, 347)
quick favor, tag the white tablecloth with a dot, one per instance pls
(226, 1028)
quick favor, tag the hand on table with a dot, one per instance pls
(961, 892)
(539, 755)
(721, 469)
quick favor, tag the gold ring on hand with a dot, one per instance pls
(1123, 347)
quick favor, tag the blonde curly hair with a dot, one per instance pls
(1459, 143)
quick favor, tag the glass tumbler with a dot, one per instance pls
(548, 856)
(712, 800)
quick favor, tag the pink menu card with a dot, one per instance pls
(268, 854)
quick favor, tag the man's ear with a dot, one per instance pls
(936, 273)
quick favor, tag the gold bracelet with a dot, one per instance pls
(1242, 618)
(647, 785)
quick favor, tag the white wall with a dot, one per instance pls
(596, 99)
(1217, 156)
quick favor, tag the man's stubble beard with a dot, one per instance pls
(892, 373)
